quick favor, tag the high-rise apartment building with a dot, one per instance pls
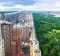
(2, 53)
(7, 36)
(16, 40)
(14, 48)
(25, 33)
(34, 46)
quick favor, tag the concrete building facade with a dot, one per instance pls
(7, 37)
(25, 33)
(2, 53)
(34, 45)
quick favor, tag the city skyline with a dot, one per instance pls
(29, 5)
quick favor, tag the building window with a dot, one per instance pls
(2, 46)
(0, 40)
(37, 51)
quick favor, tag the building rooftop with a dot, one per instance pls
(4, 22)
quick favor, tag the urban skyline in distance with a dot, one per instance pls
(29, 27)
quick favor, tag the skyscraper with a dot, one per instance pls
(16, 40)
(2, 53)
(7, 37)
(25, 33)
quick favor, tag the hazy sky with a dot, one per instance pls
(30, 5)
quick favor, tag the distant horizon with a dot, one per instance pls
(30, 5)
(28, 11)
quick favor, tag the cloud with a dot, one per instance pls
(7, 8)
(39, 5)
(23, 2)
(2, 3)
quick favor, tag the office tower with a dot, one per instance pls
(7, 36)
(2, 53)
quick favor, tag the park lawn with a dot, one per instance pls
(57, 31)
